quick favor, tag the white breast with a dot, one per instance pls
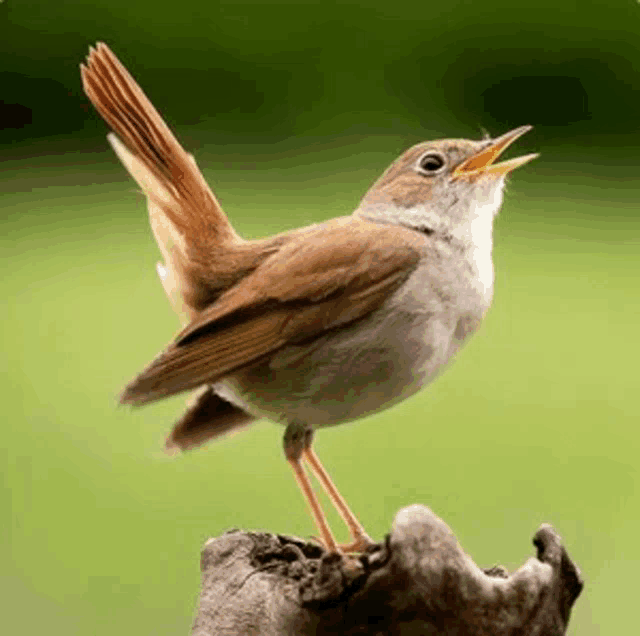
(479, 232)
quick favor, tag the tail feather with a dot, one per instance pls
(190, 205)
(199, 246)
(208, 416)
(202, 253)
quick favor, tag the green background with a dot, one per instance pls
(292, 109)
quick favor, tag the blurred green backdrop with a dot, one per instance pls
(292, 109)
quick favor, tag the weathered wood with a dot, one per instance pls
(418, 582)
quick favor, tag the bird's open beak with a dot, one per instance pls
(481, 164)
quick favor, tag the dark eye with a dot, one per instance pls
(432, 162)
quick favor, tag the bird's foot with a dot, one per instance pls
(361, 543)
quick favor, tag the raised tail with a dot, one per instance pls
(190, 227)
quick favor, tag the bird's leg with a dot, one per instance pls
(296, 438)
(361, 540)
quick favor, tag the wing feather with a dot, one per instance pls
(294, 296)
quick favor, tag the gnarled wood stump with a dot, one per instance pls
(419, 582)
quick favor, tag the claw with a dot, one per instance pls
(360, 544)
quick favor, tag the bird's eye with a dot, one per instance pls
(432, 162)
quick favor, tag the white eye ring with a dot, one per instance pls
(432, 163)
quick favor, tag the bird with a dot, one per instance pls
(315, 326)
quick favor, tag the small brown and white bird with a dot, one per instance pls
(316, 326)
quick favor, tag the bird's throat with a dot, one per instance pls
(476, 235)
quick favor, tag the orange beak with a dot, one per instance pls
(481, 164)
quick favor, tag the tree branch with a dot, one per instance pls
(418, 582)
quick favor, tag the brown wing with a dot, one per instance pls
(322, 278)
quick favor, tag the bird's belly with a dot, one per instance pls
(350, 373)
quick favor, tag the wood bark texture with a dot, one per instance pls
(418, 582)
